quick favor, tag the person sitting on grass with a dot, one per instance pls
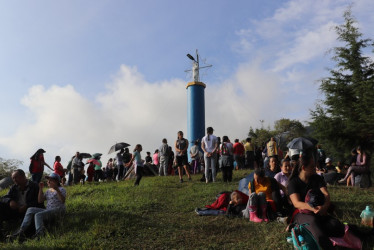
(262, 190)
(272, 169)
(361, 167)
(303, 179)
(22, 195)
(55, 197)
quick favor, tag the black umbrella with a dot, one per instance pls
(302, 143)
(85, 155)
(118, 146)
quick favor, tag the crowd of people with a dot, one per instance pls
(282, 186)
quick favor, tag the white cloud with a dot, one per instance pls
(136, 111)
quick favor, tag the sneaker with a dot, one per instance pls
(190, 179)
(282, 220)
(181, 180)
(40, 233)
(341, 181)
(20, 234)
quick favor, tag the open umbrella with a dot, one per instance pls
(302, 143)
(118, 146)
(96, 155)
(85, 155)
(94, 161)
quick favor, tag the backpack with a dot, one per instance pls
(302, 238)
(225, 150)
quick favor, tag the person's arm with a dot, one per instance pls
(41, 197)
(322, 210)
(176, 147)
(48, 166)
(203, 146)
(131, 161)
(295, 199)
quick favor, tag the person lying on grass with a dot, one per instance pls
(55, 197)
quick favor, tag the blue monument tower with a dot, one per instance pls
(195, 103)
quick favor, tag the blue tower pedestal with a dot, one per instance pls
(195, 112)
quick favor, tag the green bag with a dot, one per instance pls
(302, 238)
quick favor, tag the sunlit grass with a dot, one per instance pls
(159, 214)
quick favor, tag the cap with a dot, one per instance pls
(327, 160)
(54, 176)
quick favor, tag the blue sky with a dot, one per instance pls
(81, 75)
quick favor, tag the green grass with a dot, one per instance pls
(159, 214)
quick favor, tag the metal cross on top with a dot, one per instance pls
(196, 67)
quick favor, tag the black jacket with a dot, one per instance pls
(31, 195)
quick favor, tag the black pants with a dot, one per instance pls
(120, 172)
(6, 213)
(322, 227)
(139, 175)
(227, 173)
(99, 175)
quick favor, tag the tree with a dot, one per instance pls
(345, 117)
(8, 166)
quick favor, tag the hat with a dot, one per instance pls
(327, 160)
(54, 176)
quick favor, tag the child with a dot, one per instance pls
(55, 197)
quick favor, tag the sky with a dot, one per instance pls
(79, 75)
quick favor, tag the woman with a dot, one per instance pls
(361, 167)
(136, 159)
(55, 197)
(303, 179)
(58, 168)
(272, 169)
(261, 190)
(37, 164)
(181, 159)
(209, 144)
(227, 159)
(282, 179)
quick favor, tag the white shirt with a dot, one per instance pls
(210, 143)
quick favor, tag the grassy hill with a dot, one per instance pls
(159, 214)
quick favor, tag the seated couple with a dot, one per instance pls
(25, 200)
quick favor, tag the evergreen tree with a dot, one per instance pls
(346, 116)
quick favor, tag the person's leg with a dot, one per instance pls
(263, 205)
(139, 174)
(207, 167)
(120, 172)
(36, 177)
(224, 174)
(357, 170)
(27, 220)
(45, 215)
(251, 208)
(213, 165)
(229, 173)
(276, 196)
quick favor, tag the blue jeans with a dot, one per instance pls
(210, 162)
(36, 177)
(40, 215)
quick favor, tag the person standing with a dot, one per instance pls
(239, 154)
(136, 159)
(194, 153)
(227, 161)
(164, 157)
(119, 164)
(58, 168)
(249, 153)
(272, 148)
(76, 166)
(99, 175)
(209, 145)
(37, 165)
(181, 159)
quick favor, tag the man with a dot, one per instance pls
(163, 154)
(22, 195)
(239, 154)
(272, 148)
(76, 164)
(249, 153)
(209, 144)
